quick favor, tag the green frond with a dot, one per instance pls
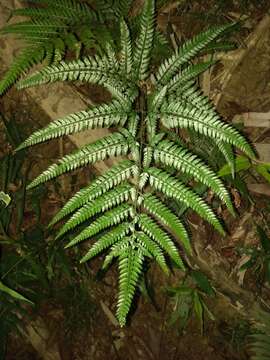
(104, 115)
(126, 55)
(118, 195)
(163, 214)
(191, 72)
(25, 60)
(181, 115)
(147, 156)
(116, 250)
(170, 154)
(130, 269)
(144, 42)
(173, 188)
(94, 69)
(133, 123)
(109, 219)
(34, 28)
(113, 177)
(152, 229)
(190, 49)
(154, 250)
(106, 241)
(112, 145)
(69, 11)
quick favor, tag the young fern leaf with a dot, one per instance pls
(162, 213)
(173, 188)
(113, 177)
(111, 145)
(145, 40)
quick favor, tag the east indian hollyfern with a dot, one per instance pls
(128, 203)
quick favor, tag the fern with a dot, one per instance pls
(260, 340)
(127, 204)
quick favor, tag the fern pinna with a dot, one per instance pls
(127, 203)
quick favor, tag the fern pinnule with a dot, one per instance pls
(191, 72)
(190, 49)
(113, 177)
(154, 250)
(126, 54)
(102, 116)
(151, 228)
(107, 240)
(109, 219)
(116, 196)
(162, 213)
(130, 269)
(181, 115)
(145, 40)
(173, 188)
(170, 154)
(112, 145)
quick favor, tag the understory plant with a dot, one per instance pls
(52, 30)
(126, 209)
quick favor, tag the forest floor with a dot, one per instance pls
(77, 322)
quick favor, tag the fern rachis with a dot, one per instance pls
(127, 201)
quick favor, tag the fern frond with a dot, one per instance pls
(170, 154)
(260, 341)
(94, 69)
(151, 229)
(191, 72)
(25, 60)
(190, 49)
(116, 250)
(104, 115)
(109, 219)
(106, 241)
(154, 250)
(112, 145)
(130, 269)
(118, 195)
(163, 214)
(70, 11)
(144, 42)
(180, 115)
(113, 177)
(172, 188)
(126, 55)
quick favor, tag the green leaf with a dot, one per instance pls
(203, 283)
(242, 163)
(13, 293)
